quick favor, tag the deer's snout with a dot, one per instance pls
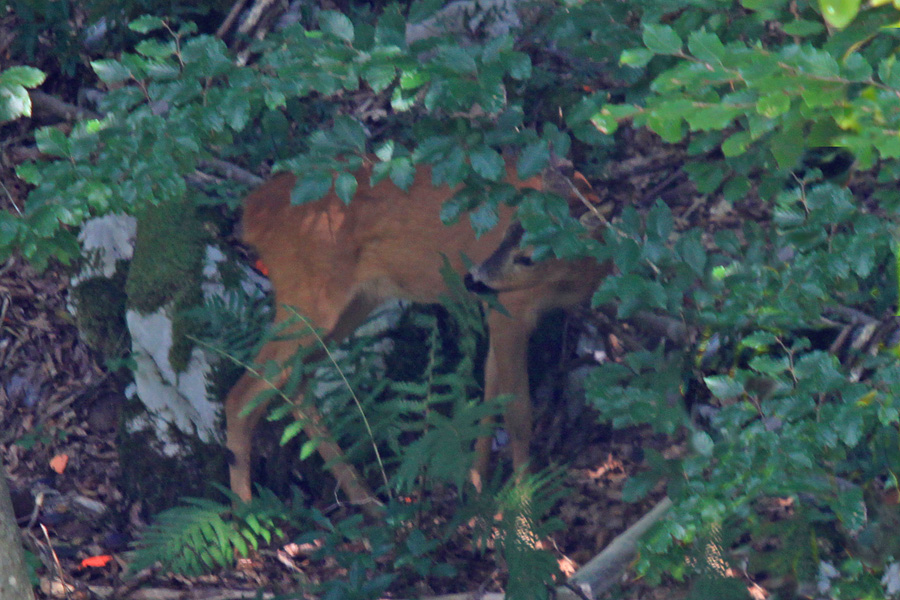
(476, 286)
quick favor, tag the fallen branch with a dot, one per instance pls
(601, 572)
(605, 570)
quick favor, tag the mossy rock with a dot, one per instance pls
(100, 315)
(167, 269)
(160, 481)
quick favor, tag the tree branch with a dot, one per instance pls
(42, 102)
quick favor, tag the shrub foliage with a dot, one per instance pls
(788, 366)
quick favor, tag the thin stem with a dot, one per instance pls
(353, 395)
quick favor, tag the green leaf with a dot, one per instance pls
(773, 105)
(28, 77)
(274, 99)
(413, 78)
(888, 144)
(401, 102)
(110, 71)
(385, 150)
(337, 24)
(861, 255)
(349, 133)
(713, 117)
(29, 173)
(850, 508)
(9, 229)
(234, 106)
(519, 66)
(155, 49)
(802, 28)
(391, 28)
(379, 77)
(690, 248)
(634, 291)
(605, 123)
(736, 189)
(635, 57)
(761, 4)
(660, 222)
(850, 425)
(311, 186)
(702, 443)
(534, 158)
(345, 187)
(453, 208)
(488, 163)
(52, 141)
(706, 46)
(668, 128)
(626, 255)
(456, 58)
(403, 173)
(767, 365)
(146, 24)
(857, 68)
(888, 72)
(639, 485)
(451, 169)
(724, 387)
(839, 13)
(291, 431)
(736, 144)
(759, 340)
(483, 219)
(14, 103)
(785, 147)
(661, 39)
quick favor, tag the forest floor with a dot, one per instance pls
(60, 414)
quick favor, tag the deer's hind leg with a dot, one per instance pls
(335, 324)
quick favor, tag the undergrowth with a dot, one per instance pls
(415, 436)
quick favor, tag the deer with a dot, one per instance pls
(334, 263)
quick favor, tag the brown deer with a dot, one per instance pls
(334, 263)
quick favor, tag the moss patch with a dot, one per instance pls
(100, 317)
(167, 268)
(159, 480)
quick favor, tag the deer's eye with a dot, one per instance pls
(523, 260)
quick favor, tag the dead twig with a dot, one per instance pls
(236, 9)
(231, 171)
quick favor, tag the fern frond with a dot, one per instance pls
(197, 538)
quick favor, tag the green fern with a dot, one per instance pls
(232, 323)
(431, 423)
(524, 506)
(199, 538)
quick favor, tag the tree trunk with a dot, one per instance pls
(14, 581)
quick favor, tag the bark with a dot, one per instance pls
(14, 582)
